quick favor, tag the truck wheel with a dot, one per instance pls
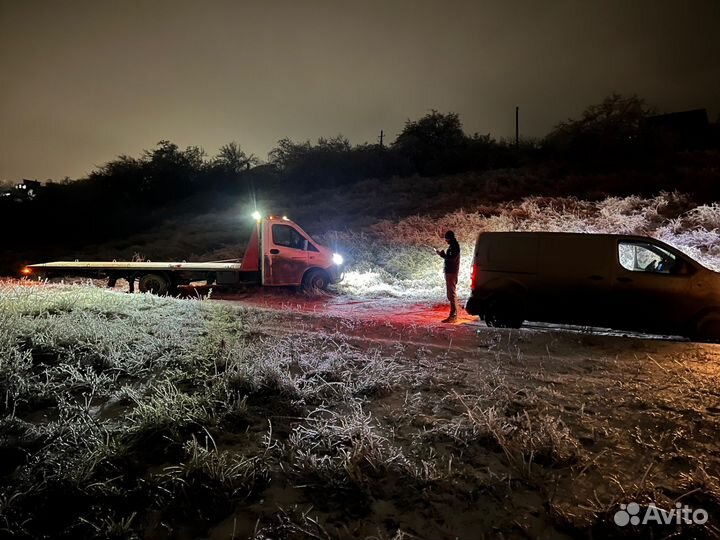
(503, 312)
(315, 279)
(155, 284)
(707, 328)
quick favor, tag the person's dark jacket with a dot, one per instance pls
(452, 257)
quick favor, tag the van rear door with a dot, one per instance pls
(574, 278)
(506, 262)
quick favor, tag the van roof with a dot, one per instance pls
(569, 234)
(596, 237)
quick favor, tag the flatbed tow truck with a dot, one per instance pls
(279, 253)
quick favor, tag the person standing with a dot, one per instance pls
(452, 268)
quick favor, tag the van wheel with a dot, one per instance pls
(315, 279)
(155, 284)
(707, 328)
(503, 312)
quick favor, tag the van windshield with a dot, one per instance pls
(646, 257)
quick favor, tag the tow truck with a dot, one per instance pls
(279, 253)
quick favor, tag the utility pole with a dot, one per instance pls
(382, 136)
(517, 129)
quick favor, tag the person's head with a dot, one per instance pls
(449, 236)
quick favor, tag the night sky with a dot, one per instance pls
(84, 81)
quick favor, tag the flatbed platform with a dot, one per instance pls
(146, 265)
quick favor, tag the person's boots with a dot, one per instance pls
(451, 318)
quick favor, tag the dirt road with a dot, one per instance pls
(405, 316)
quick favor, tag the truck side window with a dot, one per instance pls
(287, 236)
(645, 257)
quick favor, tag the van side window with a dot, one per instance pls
(645, 257)
(285, 235)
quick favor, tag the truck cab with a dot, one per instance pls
(285, 255)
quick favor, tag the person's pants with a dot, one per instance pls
(451, 284)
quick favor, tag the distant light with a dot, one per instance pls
(26, 271)
(337, 258)
(286, 218)
(256, 215)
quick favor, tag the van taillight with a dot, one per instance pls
(473, 274)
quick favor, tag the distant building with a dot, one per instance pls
(685, 129)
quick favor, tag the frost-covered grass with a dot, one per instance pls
(117, 408)
(395, 258)
(130, 416)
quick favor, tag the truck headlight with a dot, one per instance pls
(337, 258)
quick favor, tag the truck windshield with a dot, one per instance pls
(287, 236)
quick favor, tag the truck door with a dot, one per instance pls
(286, 256)
(650, 287)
